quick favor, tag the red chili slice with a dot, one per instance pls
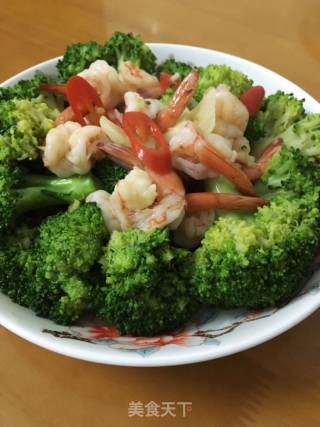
(138, 126)
(253, 99)
(83, 99)
(165, 81)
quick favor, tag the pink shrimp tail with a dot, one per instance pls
(124, 156)
(254, 172)
(168, 117)
(197, 202)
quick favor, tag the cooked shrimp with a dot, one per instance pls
(200, 214)
(192, 228)
(169, 208)
(57, 147)
(67, 115)
(236, 150)
(169, 116)
(134, 78)
(220, 117)
(223, 145)
(255, 171)
(103, 200)
(120, 154)
(242, 148)
(230, 112)
(194, 169)
(145, 199)
(231, 119)
(111, 86)
(151, 93)
(186, 142)
(106, 81)
(69, 149)
(135, 102)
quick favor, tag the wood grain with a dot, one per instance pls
(275, 384)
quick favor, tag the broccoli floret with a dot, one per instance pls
(48, 269)
(78, 57)
(23, 126)
(258, 263)
(288, 170)
(20, 193)
(305, 136)
(262, 259)
(109, 173)
(122, 47)
(10, 176)
(17, 266)
(147, 287)
(25, 89)
(67, 248)
(172, 67)
(278, 112)
(213, 75)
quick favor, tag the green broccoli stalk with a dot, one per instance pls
(147, 289)
(21, 193)
(109, 173)
(171, 66)
(78, 57)
(122, 47)
(38, 191)
(279, 111)
(262, 259)
(213, 75)
(24, 125)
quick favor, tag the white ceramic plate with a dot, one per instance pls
(214, 333)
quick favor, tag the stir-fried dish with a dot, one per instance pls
(138, 191)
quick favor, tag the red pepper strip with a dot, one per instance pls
(62, 89)
(138, 126)
(83, 99)
(253, 99)
(165, 81)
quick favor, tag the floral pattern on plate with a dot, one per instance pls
(191, 335)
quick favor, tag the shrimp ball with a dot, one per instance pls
(135, 102)
(70, 149)
(137, 190)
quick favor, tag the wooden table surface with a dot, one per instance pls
(275, 384)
